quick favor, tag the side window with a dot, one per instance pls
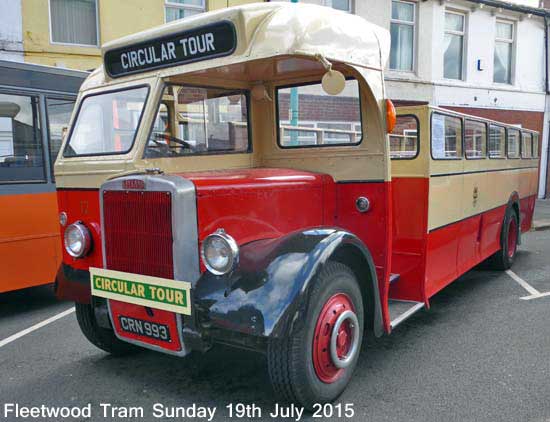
(308, 116)
(21, 153)
(475, 139)
(446, 137)
(404, 138)
(497, 142)
(59, 115)
(526, 145)
(535, 145)
(513, 143)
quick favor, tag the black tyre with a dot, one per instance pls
(509, 235)
(315, 362)
(100, 337)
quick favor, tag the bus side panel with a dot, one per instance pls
(527, 208)
(409, 230)
(372, 227)
(441, 257)
(29, 240)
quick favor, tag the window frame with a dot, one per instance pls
(524, 133)
(40, 100)
(462, 136)
(508, 129)
(417, 138)
(414, 41)
(183, 6)
(76, 115)
(512, 43)
(97, 35)
(533, 143)
(47, 117)
(503, 157)
(335, 145)
(462, 33)
(164, 85)
(351, 8)
(483, 157)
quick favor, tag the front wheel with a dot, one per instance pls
(315, 362)
(100, 337)
(504, 258)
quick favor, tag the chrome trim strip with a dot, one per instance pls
(184, 231)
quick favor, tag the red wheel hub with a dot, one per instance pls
(512, 237)
(323, 363)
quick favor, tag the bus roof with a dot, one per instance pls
(260, 30)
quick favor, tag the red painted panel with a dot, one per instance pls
(262, 203)
(372, 227)
(527, 208)
(409, 231)
(441, 253)
(82, 205)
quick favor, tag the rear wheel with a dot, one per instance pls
(315, 362)
(100, 337)
(504, 258)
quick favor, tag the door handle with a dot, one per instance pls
(475, 194)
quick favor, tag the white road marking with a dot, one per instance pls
(535, 296)
(523, 283)
(35, 327)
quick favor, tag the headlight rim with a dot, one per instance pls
(233, 246)
(86, 236)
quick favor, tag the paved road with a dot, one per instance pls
(479, 354)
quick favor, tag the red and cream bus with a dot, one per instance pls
(35, 107)
(227, 179)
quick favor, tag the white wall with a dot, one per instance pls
(11, 31)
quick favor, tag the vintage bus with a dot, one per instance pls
(35, 107)
(240, 177)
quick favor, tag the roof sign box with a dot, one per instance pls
(202, 43)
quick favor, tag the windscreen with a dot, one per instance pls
(195, 120)
(107, 123)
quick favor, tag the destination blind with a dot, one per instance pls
(206, 42)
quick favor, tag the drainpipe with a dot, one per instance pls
(546, 103)
(294, 109)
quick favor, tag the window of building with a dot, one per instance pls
(526, 145)
(454, 45)
(59, 115)
(193, 120)
(497, 142)
(345, 5)
(74, 22)
(504, 46)
(179, 9)
(475, 139)
(308, 116)
(446, 137)
(402, 30)
(21, 152)
(404, 138)
(513, 143)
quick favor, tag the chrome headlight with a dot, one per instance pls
(78, 240)
(220, 252)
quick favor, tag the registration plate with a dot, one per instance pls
(144, 328)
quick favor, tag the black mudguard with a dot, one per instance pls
(268, 292)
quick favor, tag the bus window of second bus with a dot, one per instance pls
(475, 139)
(21, 154)
(513, 143)
(526, 145)
(404, 138)
(497, 141)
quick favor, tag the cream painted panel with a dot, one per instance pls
(445, 200)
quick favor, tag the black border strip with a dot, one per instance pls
(482, 171)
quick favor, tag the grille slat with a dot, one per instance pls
(138, 232)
